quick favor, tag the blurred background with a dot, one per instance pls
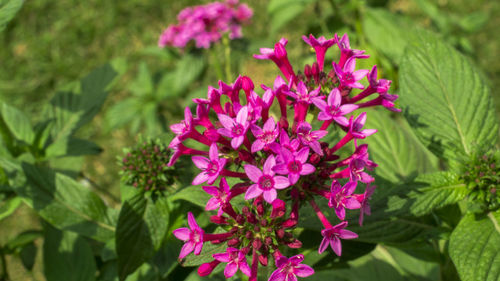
(51, 44)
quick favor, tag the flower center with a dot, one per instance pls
(333, 110)
(237, 130)
(196, 236)
(348, 77)
(294, 166)
(266, 182)
(212, 168)
(268, 137)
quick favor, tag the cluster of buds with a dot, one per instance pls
(206, 24)
(482, 176)
(145, 166)
(278, 159)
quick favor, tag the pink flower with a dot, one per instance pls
(193, 236)
(221, 196)
(210, 168)
(363, 199)
(357, 167)
(320, 46)
(346, 52)
(347, 76)
(235, 128)
(302, 95)
(285, 142)
(333, 109)
(332, 236)
(235, 260)
(357, 124)
(309, 137)
(289, 268)
(265, 136)
(294, 165)
(380, 86)
(280, 57)
(265, 181)
(342, 198)
(182, 129)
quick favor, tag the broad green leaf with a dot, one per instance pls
(142, 226)
(387, 32)
(67, 257)
(8, 9)
(72, 147)
(123, 112)
(205, 255)
(73, 110)
(18, 123)
(193, 194)
(434, 191)
(475, 247)
(189, 68)
(445, 99)
(143, 84)
(9, 206)
(283, 11)
(66, 204)
(395, 149)
(22, 240)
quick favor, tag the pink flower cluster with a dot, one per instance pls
(279, 160)
(206, 24)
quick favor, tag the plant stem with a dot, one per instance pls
(216, 64)
(227, 61)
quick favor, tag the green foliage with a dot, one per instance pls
(18, 123)
(282, 12)
(475, 247)
(8, 9)
(141, 229)
(67, 256)
(445, 99)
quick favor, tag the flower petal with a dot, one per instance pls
(302, 155)
(253, 172)
(268, 165)
(336, 246)
(200, 178)
(186, 250)
(242, 116)
(270, 125)
(281, 182)
(222, 257)
(347, 234)
(323, 245)
(253, 191)
(200, 162)
(226, 121)
(270, 195)
(213, 153)
(182, 233)
(257, 145)
(307, 169)
(303, 270)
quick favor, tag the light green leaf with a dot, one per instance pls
(72, 147)
(18, 123)
(445, 99)
(66, 204)
(67, 257)
(395, 148)
(193, 194)
(143, 84)
(205, 255)
(475, 247)
(8, 9)
(189, 68)
(434, 191)
(283, 11)
(9, 206)
(142, 226)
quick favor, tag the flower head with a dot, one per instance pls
(356, 126)
(347, 76)
(221, 196)
(320, 45)
(289, 268)
(341, 198)
(235, 128)
(192, 236)
(235, 260)
(332, 109)
(332, 236)
(210, 168)
(294, 165)
(265, 182)
(309, 137)
(265, 136)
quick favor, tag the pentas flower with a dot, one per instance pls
(341, 198)
(235, 128)
(294, 165)
(210, 168)
(289, 268)
(333, 110)
(192, 236)
(235, 260)
(265, 182)
(332, 236)
(280, 167)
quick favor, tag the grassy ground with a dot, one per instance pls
(51, 43)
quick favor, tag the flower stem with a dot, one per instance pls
(227, 61)
(320, 215)
(216, 64)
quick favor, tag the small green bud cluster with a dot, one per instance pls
(482, 176)
(145, 166)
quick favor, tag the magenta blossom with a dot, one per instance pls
(294, 165)
(279, 56)
(221, 196)
(210, 168)
(363, 199)
(320, 46)
(235, 128)
(265, 181)
(355, 126)
(347, 76)
(265, 136)
(309, 137)
(182, 129)
(193, 236)
(332, 236)
(285, 142)
(332, 109)
(357, 167)
(342, 198)
(303, 95)
(346, 52)
(289, 268)
(235, 260)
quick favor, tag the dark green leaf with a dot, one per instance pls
(72, 147)
(475, 247)
(67, 257)
(22, 240)
(66, 204)
(141, 229)
(18, 123)
(446, 100)
(28, 256)
(8, 9)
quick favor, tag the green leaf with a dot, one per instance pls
(434, 191)
(18, 123)
(388, 32)
(193, 194)
(396, 150)
(67, 257)
(9, 206)
(142, 226)
(283, 11)
(143, 84)
(66, 204)
(445, 99)
(205, 255)
(189, 68)
(72, 147)
(475, 247)
(8, 9)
